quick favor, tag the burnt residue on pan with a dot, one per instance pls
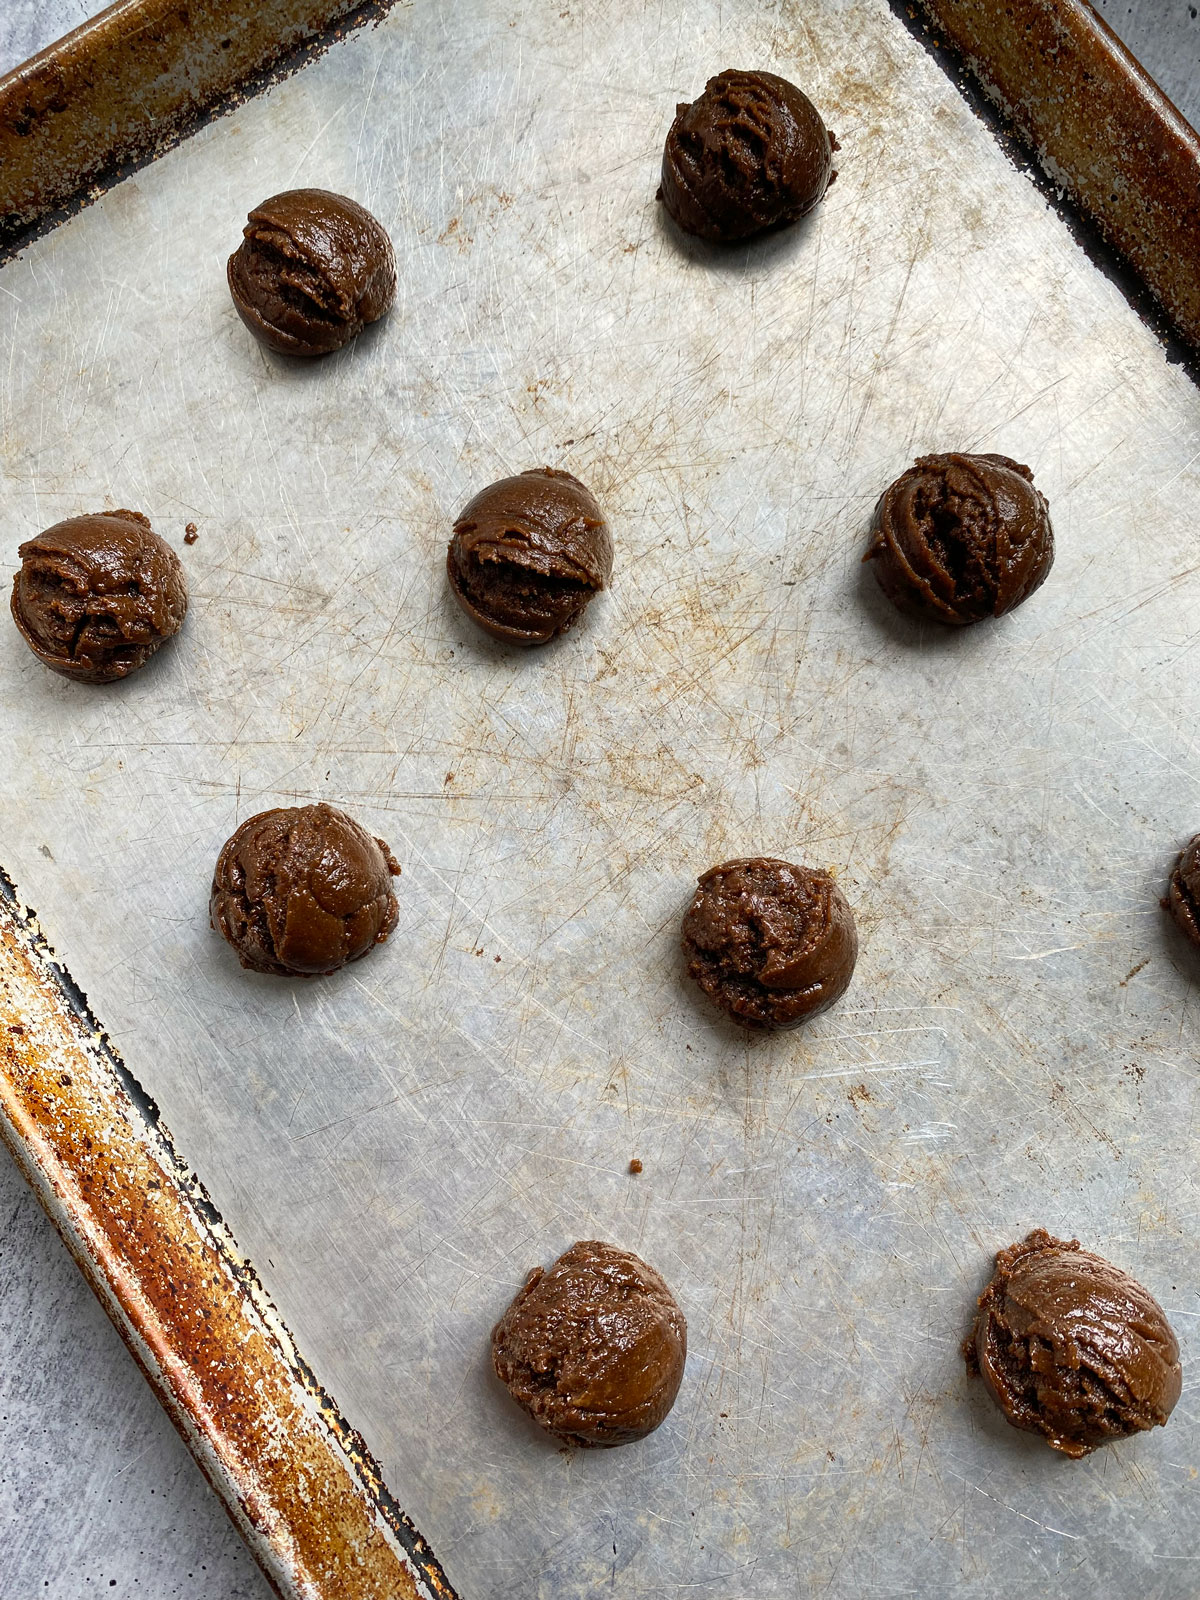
(297, 1479)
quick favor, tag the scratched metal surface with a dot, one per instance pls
(395, 1146)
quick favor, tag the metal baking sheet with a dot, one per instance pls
(394, 1147)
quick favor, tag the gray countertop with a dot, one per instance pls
(97, 1493)
(1165, 37)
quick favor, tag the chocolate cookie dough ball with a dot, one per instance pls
(752, 153)
(594, 1348)
(97, 595)
(1073, 1348)
(313, 268)
(528, 554)
(958, 538)
(768, 942)
(1183, 891)
(302, 891)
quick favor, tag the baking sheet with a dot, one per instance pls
(395, 1146)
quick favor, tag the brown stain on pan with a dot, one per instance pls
(134, 81)
(298, 1482)
(1100, 127)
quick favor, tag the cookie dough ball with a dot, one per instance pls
(752, 153)
(958, 538)
(528, 553)
(1183, 891)
(768, 942)
(97, 595)
(313, 268)
(594, 1348)
(1073, 1348)
(303, 890)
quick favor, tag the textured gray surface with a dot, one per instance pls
(27, 26)
(98, 1494)
(77, 1537)
(1165, 37)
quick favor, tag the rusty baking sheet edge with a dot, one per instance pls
(1078, 113)
(143, 75)
(297, 1480)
